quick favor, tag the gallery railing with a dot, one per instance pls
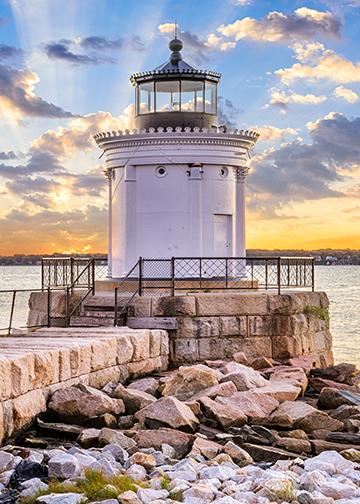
(62, 271)
(171, 276)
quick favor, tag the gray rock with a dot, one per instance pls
(65, 498)
(221, 472)
(129, 497)
(64, 466)
(117, 451)
(147, 495)
(32, 487)
(137, 472)
(6, 461)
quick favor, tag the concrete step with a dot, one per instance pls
(98, 314)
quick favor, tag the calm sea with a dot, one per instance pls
(341, 283)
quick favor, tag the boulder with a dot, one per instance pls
(144, 459)
(61, 498)
(238, 455)
(254, 405)
(241, 358)
(319, 383)
(63, 466)
(280, 390)
(300, 415)
(98, 422)
(268, 453)
(244, 378)
(80, 402)
(290, 375)
(340, 464)
(225, 389)
(261, 363)
(180, 441)
(112, 436)
(320, 445)
(89, 438)
(187, 381)
(331, 398)
(294, 445)
(209, 449)
(134, 400)
(129, 497)
(227, 415)
(168, 412)
(149, 385)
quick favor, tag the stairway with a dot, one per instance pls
(99, 311)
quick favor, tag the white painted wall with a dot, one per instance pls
(173, 215)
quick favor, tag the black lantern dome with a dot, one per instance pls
(176, 94)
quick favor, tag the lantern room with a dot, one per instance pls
(175, 94)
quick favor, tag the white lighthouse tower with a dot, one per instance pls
(177, 182)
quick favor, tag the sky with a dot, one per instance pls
(290, 70)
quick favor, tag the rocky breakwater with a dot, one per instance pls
(223, 432)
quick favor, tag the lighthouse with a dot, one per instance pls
(177, 182)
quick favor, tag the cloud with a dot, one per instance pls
(7, 51)
(282, 99)
(61, 51)
(347, 94)
(270, 133)
(7, 155)
(305, 23)
(297, 171)
(321, 63)
(242, 2)
(65, 49)
(227, 113)
(18, 98)
(192, 43)
(81, 229)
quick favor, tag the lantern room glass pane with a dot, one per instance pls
(210, 97)
(167, 96)
(146, 98)
(192, 96)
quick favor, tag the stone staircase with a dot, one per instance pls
(99, 311)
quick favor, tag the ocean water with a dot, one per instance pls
(341, 283)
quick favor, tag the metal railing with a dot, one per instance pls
(63, 271)
(170, 276)
(127, 289)
(81, 287)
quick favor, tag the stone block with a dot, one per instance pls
(36, 318)
(155, 343)
(186, 328)
(47, 369)
(210, 348)
(5, 378)
(285, 347)
(26, 407)
(233, 326)
(141, 343)
(98, 379)
(22, 373)
(8, 418)
(184, 351)
(144, 367)
(231, 304)
(164, 349)
(103, 354)
(322, 341)
(252, 347)
(64, 364)
(141, 307)
(125, 349)
(80, 360)
(2, 429)
(173, 306)
(259, 326)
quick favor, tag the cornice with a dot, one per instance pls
(187, 136)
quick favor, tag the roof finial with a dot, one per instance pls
(175, 46)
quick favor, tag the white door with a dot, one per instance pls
(222, 235)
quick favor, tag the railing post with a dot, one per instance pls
(226, 273)
(313, 274)
(279, 274)
(67, 306)
(12, 312)
(42, 274)
(71, 270)
(140, 276)
(200, 271)
(252, 273)
(173, 276)
(116, 307)
(288, 272)
(93, 275)
(266, 274)
(48, 306)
